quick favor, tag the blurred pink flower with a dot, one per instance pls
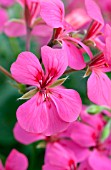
(87, 133)
(63, 32)
(7, 3)
(31, 21)
(25, 137)
(15, 161)
(46, 108)
(4, 19)
(58, 157)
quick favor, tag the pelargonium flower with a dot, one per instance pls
(4, 19)
(63, 139)
(88, 134)
(94, 13)
(52, 11)
(15, 161)
(58, 157)
(45, 111)
(31, 21)
(99, 84)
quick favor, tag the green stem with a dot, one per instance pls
(4, 71)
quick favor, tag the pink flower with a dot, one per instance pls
(94, 13)
(96, 161)
(15, 161)
(6, 3)
(77, 18)
(99, 85)
(25, 137)
(19, 27)
(58, 157)
(63, 138)
(87, 133)
(52, 12)
(4, 18)
(45, 111)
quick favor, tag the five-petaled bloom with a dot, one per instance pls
(51, 109)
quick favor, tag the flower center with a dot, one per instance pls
(98, 61)
(72, 165)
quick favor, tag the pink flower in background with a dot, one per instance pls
(31, 21)
(4, 19)
(99, 85)
(7, 3)
(106, 10)
(57, 19)
(45, 111)
(90, 129)
(96, 161)
(77, 18)
(63, 30)
(87, 133)
(63, 138)
(15, 161)
(25, 137)
(58, 157)
(94, 13)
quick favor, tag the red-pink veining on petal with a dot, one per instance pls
(98, 62)
(72, 164)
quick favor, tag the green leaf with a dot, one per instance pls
(106, 131)
(94, 109)
(28, 95)
(59, 82)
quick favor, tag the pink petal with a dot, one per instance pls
(32, 115)
(75, 58)
(25, 137)
(93, 120)
(55, 62)
(1, 166)
(15, 28)
(85, 166)
(93, 11)
(70, 99)
(50, 167)
(107, 50)
(55, 124)
(27, 69)
(58, 156)
(16, 161)
(107, 31)
(7, 3)
(85, 48)
(99, 88)
(84, 135)
(99, 44)
(42, 30)
(77, 18)
(81, 153)
(99, 161)
(52, 11)
(3, 19)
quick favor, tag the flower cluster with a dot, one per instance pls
(54, 115)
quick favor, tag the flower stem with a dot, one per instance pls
(28, 38)
(4, 71)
